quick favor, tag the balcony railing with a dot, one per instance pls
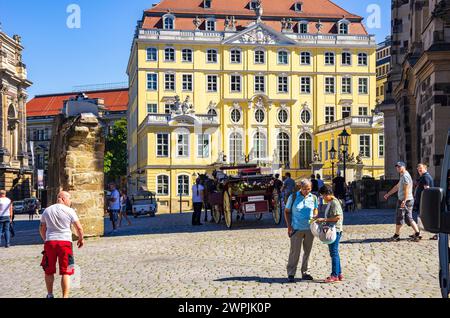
(165, 119)
(352, 122)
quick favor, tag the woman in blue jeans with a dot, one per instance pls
(6, 216)
(333, 214)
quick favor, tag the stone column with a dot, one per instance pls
(349, 170)
(22, 151)
(77, 160)
(317, 168)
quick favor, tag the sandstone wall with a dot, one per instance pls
(76, 165)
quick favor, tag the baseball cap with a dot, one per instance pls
(400, 164)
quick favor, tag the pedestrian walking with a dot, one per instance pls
(6, 218)
(425, 181)
(405, 203)
(124, 207)
(301, 207)
(55, 230)
(315, 185)
(197, 200)
(320, 181)
(288, 186)
(333, 215)
(339, 186)
(114, 205)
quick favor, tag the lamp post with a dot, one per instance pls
(333, 157)
(344, 141)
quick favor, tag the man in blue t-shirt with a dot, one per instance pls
(301, 207)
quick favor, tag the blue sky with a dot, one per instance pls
(59, 58)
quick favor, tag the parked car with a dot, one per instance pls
(18, 207)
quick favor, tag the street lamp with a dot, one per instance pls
(344, 138)
(333, 157)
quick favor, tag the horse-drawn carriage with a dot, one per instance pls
(248, 193)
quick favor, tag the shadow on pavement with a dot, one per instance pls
(268, 280)
(365, 241)
(27, 232)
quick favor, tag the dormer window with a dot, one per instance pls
(169, 22)
(303, 27)
(207, 4)
(210, 24)
(343, 26)
(252, 4)
(298, 6)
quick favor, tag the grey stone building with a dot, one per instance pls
(15, 172)
(417, 104)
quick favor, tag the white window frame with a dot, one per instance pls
(233, 76)
(347, 27)
(233, 110)
(301, 117)
(330, 118)
(188, 185)
(165, 18)
(207, 24)
(263, 55)
(348, 58)
(169, 81)
(154, 106)
(309, 57)
(234, 155)
(279, 54)
(200, 146)
(183, 82)
(366, 58)
(362, 92)
(156, 54)
(232, 54)
(168, 108)
(287, 116)
(260, 111)
(208, 76)
(305, 88)
(216, 54)
(327, 85)
(301, 25)
(260, 84)
(191, 55)
(185, 145)
(260, 145)
(174, 55)
(158, 184)
(346, 85)
(348, 109)
(369, 146)
(381, 145)
(366, 111)
(282, 152)
(296, 6)
(284, 84)
(328, 56)
(158, 145)
(156, 82)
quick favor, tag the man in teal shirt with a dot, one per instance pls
(301, 207)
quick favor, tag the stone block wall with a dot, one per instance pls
(76, 165)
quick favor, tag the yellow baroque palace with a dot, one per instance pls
(227, 82)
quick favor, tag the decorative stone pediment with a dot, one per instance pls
(259, 34)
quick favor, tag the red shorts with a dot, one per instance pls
(60, 251)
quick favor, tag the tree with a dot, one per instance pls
(116, 151)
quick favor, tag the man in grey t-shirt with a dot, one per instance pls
(405, 203)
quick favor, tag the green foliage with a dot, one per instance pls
(116, 151)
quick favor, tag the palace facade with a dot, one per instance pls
(268, 82)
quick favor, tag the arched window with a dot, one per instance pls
(283, 147)
(260, 56)
(260, 145)
(283, 116)
(183, 185)
(212, 112)
(303, 27)
(235, 115)
(259, 116)
(236, 147)
(305, 151)
(169, 22)
(210, 24)
(343, 26)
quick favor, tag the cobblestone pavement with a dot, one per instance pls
(166, 257)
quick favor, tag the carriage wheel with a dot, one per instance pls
(217, 215)
(259, 216)
(227, 209)
(276, 212)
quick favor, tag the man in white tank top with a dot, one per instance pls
(6, 217)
